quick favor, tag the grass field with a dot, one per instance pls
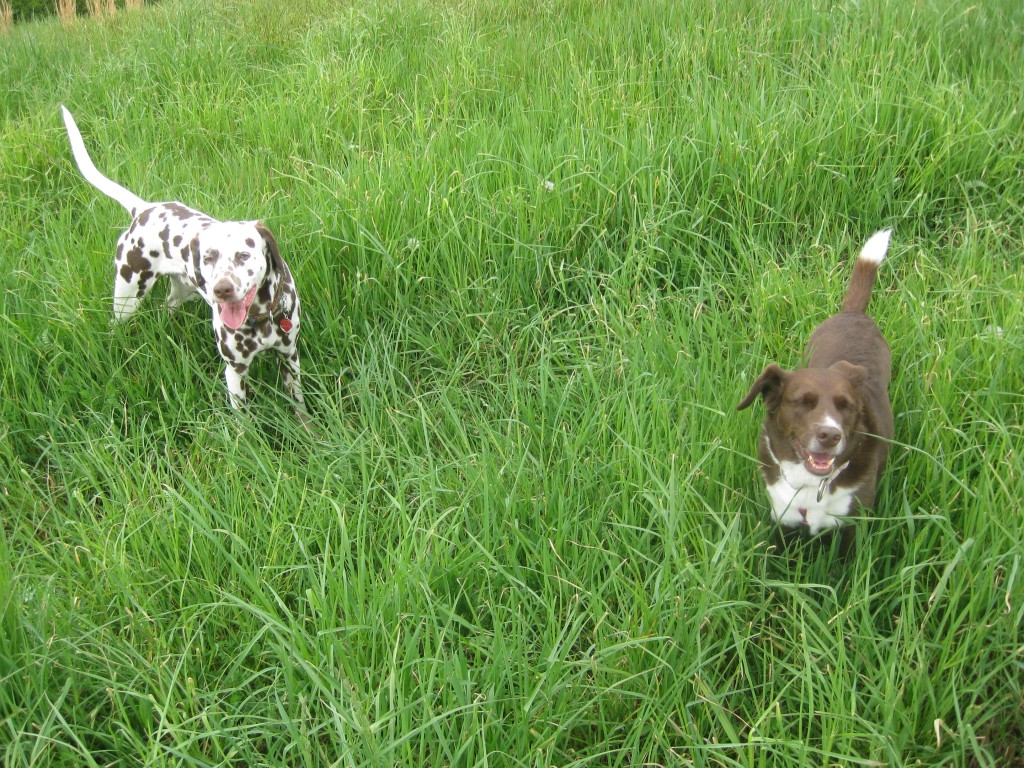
(544, 247)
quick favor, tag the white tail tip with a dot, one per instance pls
(112, 189)
(69, 121)
(874, 249)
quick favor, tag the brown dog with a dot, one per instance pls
(825, 438)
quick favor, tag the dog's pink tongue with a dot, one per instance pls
(232, 314)
(819, 463)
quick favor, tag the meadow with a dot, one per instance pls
(544, 247)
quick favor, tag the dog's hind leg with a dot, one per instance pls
(129, 289)
(181, 291)
(134, 277)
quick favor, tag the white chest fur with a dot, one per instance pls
(795, 504)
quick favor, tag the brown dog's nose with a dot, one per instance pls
(828, 437)
(223, 289)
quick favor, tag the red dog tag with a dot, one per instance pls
(286, 325)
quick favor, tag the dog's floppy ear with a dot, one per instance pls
(271, 242)
(855, 373)
(193, 249)
(769, 384)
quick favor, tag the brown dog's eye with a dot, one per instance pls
(842, 403)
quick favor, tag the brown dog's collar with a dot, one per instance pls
(826, 482)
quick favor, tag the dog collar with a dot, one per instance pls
(252, 319)
(826, 482)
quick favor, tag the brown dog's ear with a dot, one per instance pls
(855, 373)
(769, 384)
(275, 254)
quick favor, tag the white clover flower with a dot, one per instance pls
(549, 185)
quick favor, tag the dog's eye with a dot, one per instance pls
(805, 401)
(241, 257)
(211, 256)
(842, 403)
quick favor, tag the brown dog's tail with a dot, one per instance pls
(864, 270)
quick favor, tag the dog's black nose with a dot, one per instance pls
(829, 437)
(224, 289)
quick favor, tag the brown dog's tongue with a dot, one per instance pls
(819, 463)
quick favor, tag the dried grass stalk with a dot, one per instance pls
(66, 11)
(6, 17)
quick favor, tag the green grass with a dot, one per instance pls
(543, 249)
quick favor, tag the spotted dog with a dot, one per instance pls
(234, 265)
(825, 437)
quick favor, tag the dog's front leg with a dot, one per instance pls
(290, 379)
(290, 375)
(238, 390)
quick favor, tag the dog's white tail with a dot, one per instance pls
(109, 188)
(875, 248)
(864, 270)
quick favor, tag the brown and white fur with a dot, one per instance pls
(234, 265)
(824, 440)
